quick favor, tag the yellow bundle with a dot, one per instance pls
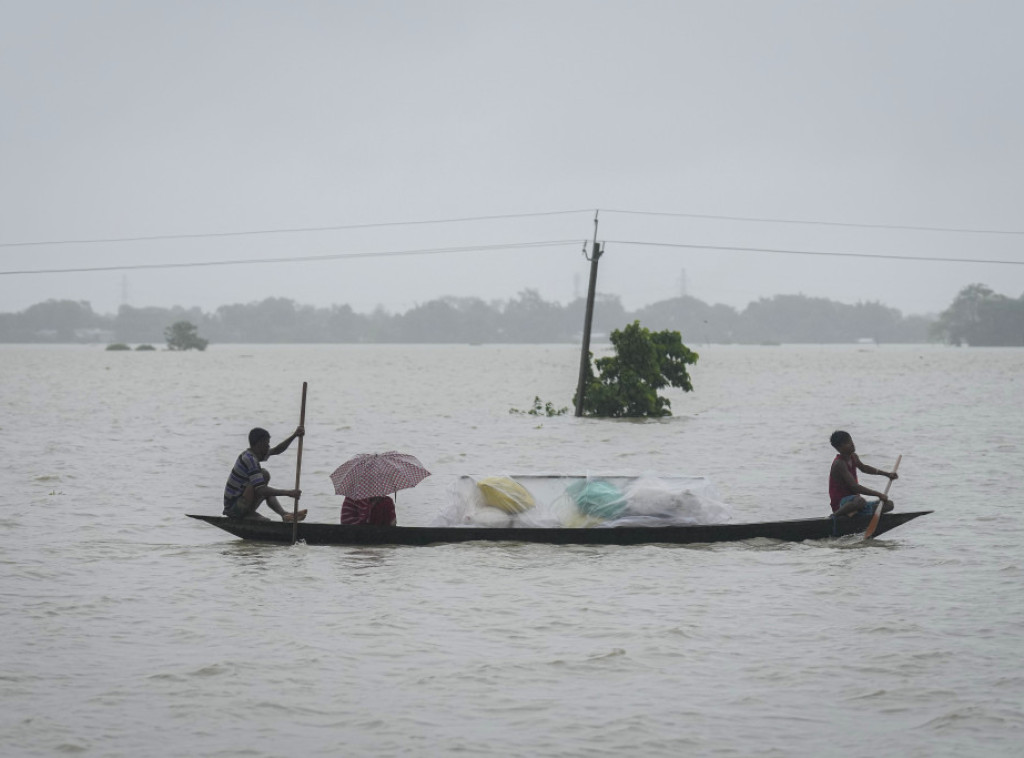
(505, 493)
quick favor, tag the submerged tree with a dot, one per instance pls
(644, 362)
(181, 335)
(981, 317)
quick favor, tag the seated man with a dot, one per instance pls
(845, 492)
(249, 485)
(375, 511)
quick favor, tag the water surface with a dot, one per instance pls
(131, 630)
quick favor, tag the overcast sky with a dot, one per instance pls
(156, 119)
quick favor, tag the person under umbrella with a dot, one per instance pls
(372, 511)
(368, 480)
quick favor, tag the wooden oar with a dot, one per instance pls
(870, 531)
(298, 469)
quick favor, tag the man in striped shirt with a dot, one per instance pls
(249, 485)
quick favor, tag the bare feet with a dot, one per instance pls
(289, 517)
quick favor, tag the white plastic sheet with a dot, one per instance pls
(588, 501)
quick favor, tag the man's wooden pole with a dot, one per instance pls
(873, 524)
(298, 468)
(595, 255)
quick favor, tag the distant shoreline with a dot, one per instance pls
(527, 319)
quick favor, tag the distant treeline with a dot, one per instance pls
(978, 316)
(526, 318)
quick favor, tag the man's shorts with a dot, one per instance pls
(235, 509)
(867, 510)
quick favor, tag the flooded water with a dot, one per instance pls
(131, 630)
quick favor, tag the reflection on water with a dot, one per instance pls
(363, 561)
(249, 556)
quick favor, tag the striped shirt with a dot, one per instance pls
(246, 471)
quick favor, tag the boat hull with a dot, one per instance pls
(336, 534)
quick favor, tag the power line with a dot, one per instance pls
(498, 247)
(885, 256)
(289, 230)
(958, 230)
(298, 259)
(495, 217)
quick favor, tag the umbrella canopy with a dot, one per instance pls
(377, 474)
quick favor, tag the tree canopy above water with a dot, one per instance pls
(980, 317)
(629, 381)
(183, 335)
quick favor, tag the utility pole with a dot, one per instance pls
(595, 255)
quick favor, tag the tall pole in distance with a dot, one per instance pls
(595, 254)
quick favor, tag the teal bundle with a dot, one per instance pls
(597, 498)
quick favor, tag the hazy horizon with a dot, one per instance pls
(489, 301)
(127, 120)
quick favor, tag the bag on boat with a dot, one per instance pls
(505, 493)
(597, 498)
(658, 500)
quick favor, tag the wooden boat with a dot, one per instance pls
(336, 534)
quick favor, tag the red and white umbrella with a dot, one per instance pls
(377, 474)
